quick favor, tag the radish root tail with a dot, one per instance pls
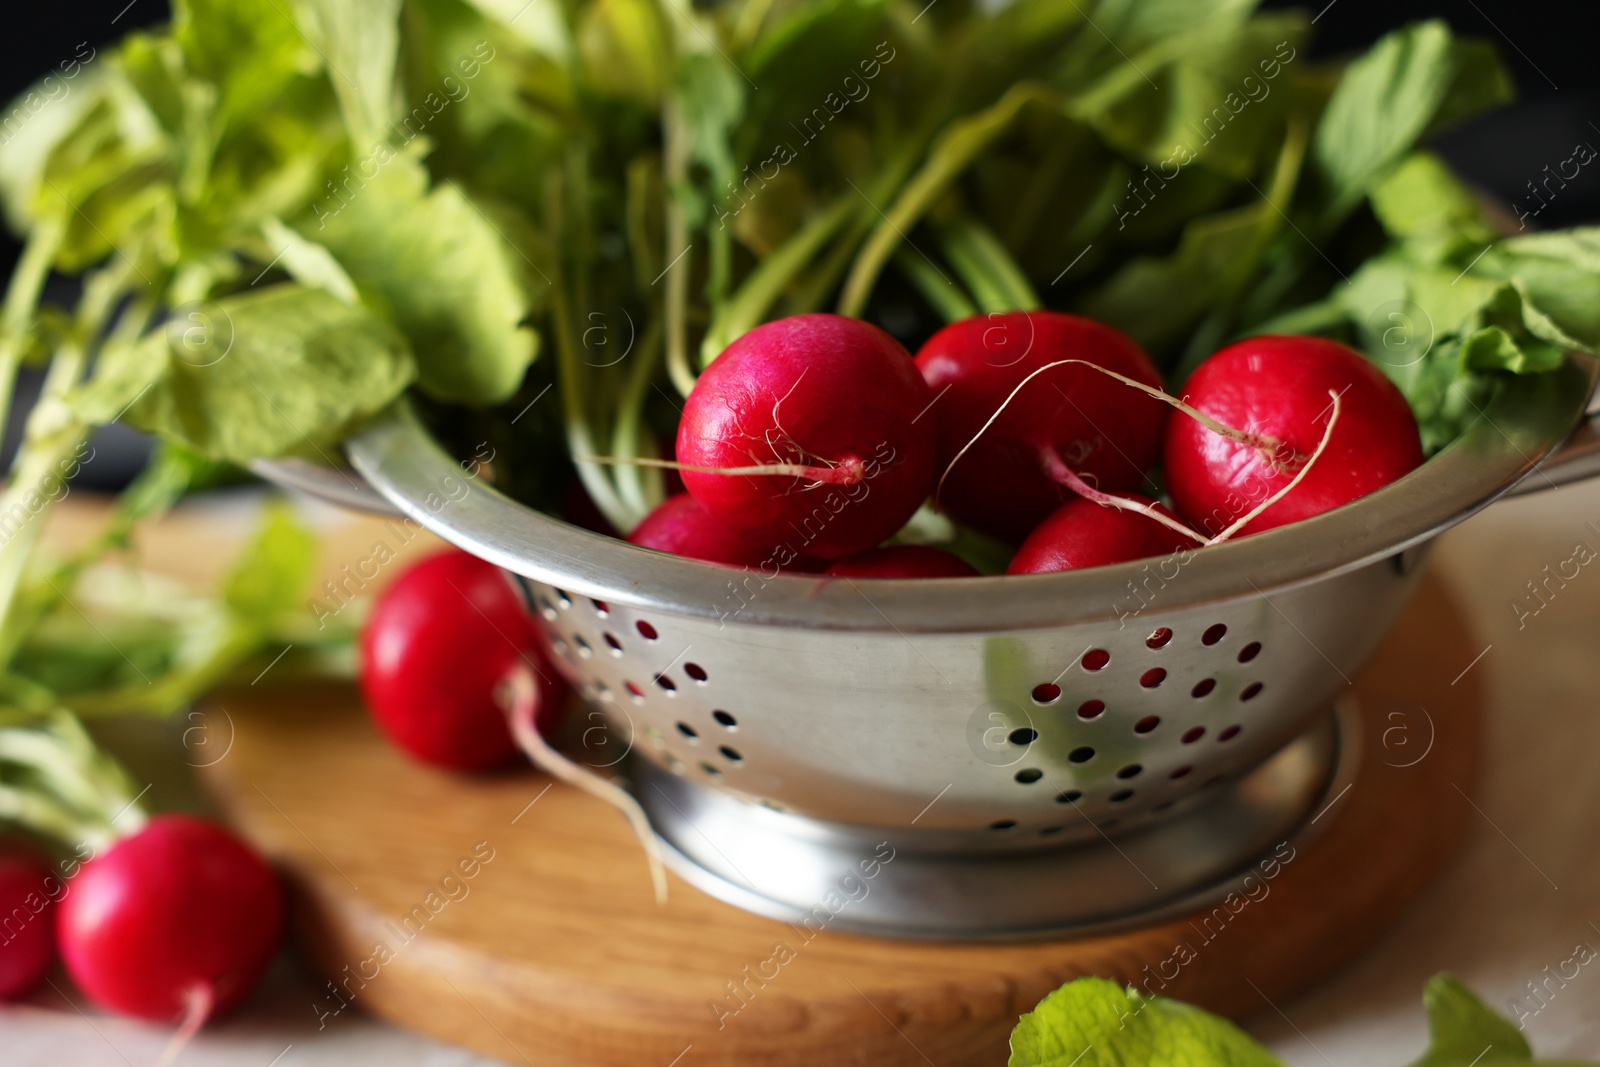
(1305, 469)
(849, 472)
(1058, 470)
(197, 1005)
(1270, 446)
(521, 702)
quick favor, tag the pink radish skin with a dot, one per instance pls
(1083, 534)
(681, 526)
(903, 561)
(439, 642)
(1104, 430)
(835, 398)
(1278, 387)
(28, 912)
(179, 918)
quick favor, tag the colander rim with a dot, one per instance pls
(1526, 420)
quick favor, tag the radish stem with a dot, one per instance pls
(520, 698)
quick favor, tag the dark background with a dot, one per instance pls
(1552, 58)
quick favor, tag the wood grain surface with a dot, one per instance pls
(514, 916)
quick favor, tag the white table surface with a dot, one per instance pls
(1523, 891)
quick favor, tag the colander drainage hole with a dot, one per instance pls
(666, 683)
(634, 691)
(695, 671)
(1091, 709)
(602, 690)
(725, 719)
(547, 609)
(1181, 772)
(563, 599)
(688, 731)
(1193, 734)
(711, 771)
(1132, 770)
(1153, 677)
(613, 641)
(1250, 652)
(1203, 688)
(1029, 775)
(1251, 691)
(1023, 735)
(1071, 796)
(1047, 831)
(561, 648)
(1159, 639)
(1003, 824)
(583, 646)
(1119, 796)
(1146, 724)
(1213, 634)
(1165, 805)
(731, 754)
(1096, 659)
(601, 608)
(1082, 754)
(646, 631)
(1230, 733)
(1046, 693)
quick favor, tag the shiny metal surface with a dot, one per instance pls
(1226, 839)
(334, 485)
(987, 724)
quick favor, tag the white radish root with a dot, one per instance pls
(1270, 447)
(520, 698)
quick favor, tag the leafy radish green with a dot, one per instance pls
(1096, 1023)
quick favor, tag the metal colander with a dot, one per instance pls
(1031, 754)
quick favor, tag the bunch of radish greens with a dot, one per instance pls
(540, 221)
(1093, 1022)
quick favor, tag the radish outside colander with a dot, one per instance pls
(1008, 756)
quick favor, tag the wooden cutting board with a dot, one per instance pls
(514, 916)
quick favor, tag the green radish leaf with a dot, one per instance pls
(1217, 95)
(271, 575)
(264, 373)
(360, 41)
(1425, 207)
(1409, 84)
(627, 49)
(1094, 1023)
(248, 49)
(438, 267)
(1463, 1030)
(1157, 301)
(41, 117)
(1559, 272)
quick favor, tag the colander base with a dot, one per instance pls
(868, 880)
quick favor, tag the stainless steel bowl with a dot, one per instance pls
(1040, 754)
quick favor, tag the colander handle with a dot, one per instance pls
(1577, 459)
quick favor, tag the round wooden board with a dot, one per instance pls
(554, 953)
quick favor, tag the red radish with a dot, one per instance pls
(1083, 533)
(903, 561)
(177, 919)
(452, 668)
(439, 641)
(808, 431)
(1278, 388)
(1071, 416)
(681, 526)
(27, 920)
